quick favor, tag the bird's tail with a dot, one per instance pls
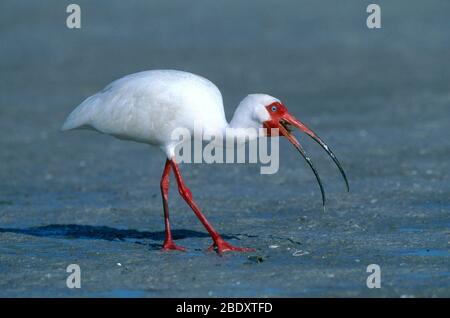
(79, 118)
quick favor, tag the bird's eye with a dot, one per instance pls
(274, 108)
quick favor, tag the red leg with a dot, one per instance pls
(219, 242)
(168, 242)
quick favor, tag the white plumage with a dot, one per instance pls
(148, 106)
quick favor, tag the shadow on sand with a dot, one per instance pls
(75, 231)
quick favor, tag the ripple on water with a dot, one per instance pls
(425, 252)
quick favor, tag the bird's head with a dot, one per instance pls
(270, 113)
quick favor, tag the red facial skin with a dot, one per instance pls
(275, 118)
(282, 114)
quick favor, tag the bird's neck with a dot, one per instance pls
(241, 129)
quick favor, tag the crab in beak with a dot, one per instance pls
(282, 120)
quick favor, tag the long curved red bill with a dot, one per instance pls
(285, 131)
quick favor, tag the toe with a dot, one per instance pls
(171, 246)
(223, 246)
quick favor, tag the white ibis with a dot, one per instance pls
(147, 106)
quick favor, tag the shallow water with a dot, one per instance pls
(380, 98)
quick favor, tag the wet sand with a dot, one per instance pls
(380, 98)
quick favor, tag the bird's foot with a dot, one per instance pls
(171, 246)
(221, 246)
